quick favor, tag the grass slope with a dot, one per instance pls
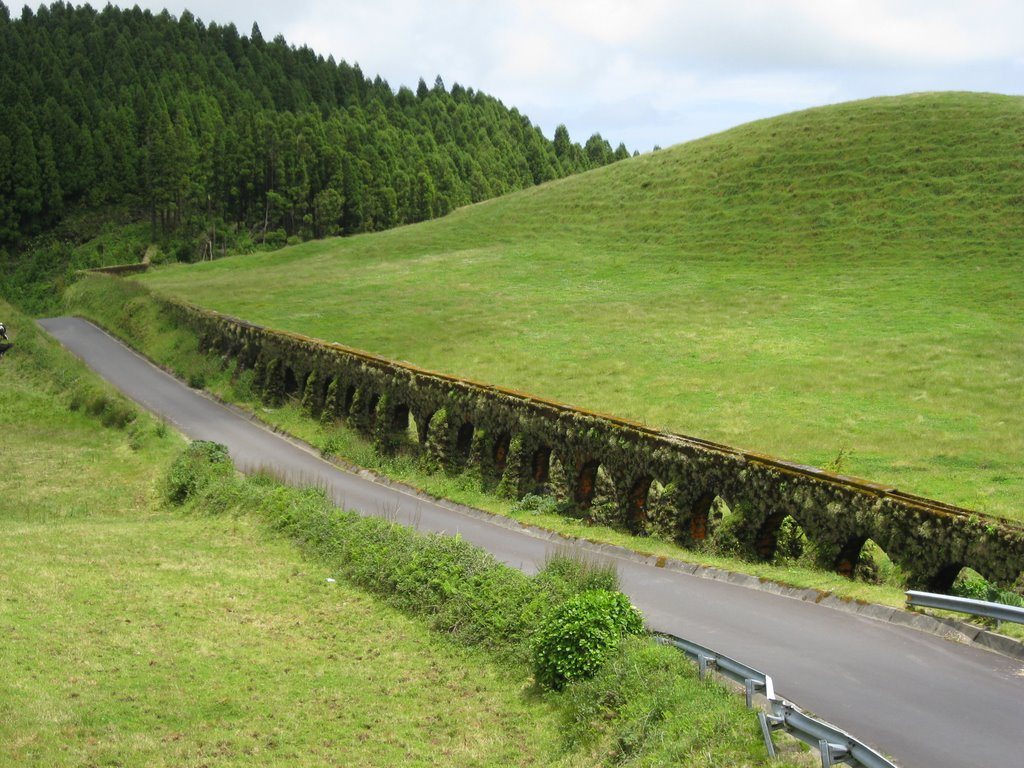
(129, 308)
(133, 635)
(844, 279)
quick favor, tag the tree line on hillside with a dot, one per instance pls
(200, 126)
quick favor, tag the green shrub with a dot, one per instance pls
(80, 395)
(791, 541)
(332, 403)
(196, 468)
(275, 238)
(438, 453)
(273, 387)
(112, 410)
(118, 413)
(331, 446)
(603, 511)
(309, 403)
(136, 436)
(508, 486)
(578, 637)
(564, 576)
(386, 436)
(360, 416)
(977, 587)
(259, 374)
(541, 504)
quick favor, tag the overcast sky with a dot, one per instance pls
(652, 72)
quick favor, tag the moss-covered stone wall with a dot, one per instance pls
(612, 470)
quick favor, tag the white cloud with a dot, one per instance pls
(678, 68)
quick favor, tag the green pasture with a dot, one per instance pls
(134, 635)
(842, 286)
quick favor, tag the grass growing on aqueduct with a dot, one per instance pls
(845, 280)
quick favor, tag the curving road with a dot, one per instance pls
(920, 699)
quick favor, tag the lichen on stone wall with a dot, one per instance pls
(610, 470)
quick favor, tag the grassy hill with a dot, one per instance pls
(840, 286)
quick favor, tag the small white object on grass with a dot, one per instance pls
(330, 580)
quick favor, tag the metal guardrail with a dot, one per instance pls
(751, 679)
(998, 611)
(835, 745)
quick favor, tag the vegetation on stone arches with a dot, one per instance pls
(766, 502)
(163, 336)
(831, 283)
(931, 546)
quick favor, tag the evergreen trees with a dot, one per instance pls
(203, 127)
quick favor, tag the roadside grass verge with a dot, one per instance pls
(132, 633)
(645, 704)
(126, 309)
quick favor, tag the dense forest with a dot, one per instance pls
(203, 129)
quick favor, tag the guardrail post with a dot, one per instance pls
(703, 664)
(769, 723)
(831, 754)
(749, 685)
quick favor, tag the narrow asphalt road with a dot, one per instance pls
(922, 700)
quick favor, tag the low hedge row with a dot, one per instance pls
(459, 589)
(624, 699)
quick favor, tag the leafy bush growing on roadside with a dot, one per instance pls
(112, 410)
(978, 587)
(644, 705)
(541, 504)
(196, 468)
(458, 588)
(577, 639)
(331, 446)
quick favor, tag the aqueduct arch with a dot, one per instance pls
(586, 483)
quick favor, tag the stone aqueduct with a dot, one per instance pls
(525, 443)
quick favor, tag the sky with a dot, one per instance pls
(655, 72)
